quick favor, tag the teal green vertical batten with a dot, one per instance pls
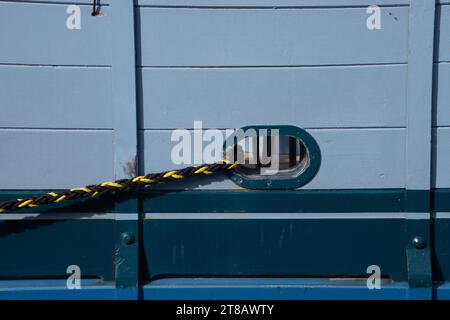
(125, 145)
(441, 200)
(126, 254)
(418, 145)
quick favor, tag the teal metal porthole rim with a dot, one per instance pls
(294, 182)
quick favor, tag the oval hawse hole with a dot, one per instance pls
(270, 155)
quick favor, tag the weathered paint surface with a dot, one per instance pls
(75, 102)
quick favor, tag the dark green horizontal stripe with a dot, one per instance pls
(276, 201)
(161, 201)
(367, 200)
(364, 200)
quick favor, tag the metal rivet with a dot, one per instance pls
(419, 242)
(127, 238)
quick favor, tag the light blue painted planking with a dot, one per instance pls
(261, 37)
(55, 97)
(270, 3)
(442, 36)
(124, 89)
(351, 159)
(441, 152)
(37, 34)
(306, 97)
(89, 2)
(419, 95)
(54, 159)
(441, 110)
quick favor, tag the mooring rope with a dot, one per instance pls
(116, 186)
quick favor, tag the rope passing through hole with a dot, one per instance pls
(117, 186)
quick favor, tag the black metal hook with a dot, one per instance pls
(94, 8)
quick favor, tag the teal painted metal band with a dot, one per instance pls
(288, 201)
(418, 200)
(276, 201)
(441, 200)
(368, 200)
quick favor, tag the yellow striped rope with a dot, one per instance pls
(174, 174)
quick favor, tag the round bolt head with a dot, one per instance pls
(127, 238)
(419, 242)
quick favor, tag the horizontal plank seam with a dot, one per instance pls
(273, 7)
(275, 66)
(54, 129)
(306, 127)
(6, 64)
(31, 2)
